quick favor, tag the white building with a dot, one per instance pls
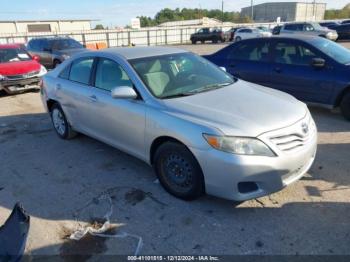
(286, 11)
(205, 21)
(29, 26)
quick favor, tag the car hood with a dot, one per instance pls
(241, 109)
(71, 52)
(20, 67)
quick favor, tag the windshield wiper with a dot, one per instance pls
(209, 87)
(198, 90)
(176, 95)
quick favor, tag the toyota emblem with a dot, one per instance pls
(305, 128)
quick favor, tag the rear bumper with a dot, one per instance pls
(12, 86)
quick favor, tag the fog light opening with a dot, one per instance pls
(247, 187)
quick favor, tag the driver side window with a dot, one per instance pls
(109, 75)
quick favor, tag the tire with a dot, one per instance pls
(202, 41)
(215, 40)
(345, 105)
(193, 42)
(170, 160)
(59, 121)
(56, 63)
(238, 38)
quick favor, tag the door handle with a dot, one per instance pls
(232, 65)
(58, 87)
(93, 98)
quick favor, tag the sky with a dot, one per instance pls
(118, 12)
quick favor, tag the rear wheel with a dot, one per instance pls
(60, 123)
(178, 171)
(215, 40)
(345, 106)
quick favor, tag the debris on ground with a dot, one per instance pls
(13, 234)
(99, 229)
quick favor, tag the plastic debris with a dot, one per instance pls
(101, 232)
(13, 235)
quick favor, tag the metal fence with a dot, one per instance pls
(114, 38)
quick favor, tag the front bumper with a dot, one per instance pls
(18, 85)
(225, 172)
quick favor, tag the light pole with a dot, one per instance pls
(222, 11)
(314, 11)
(252, 10)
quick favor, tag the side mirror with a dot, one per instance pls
(318, 62)
(124, 92)
(223, 68)
(36, 58)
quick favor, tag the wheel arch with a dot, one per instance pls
(50, 103)
(341, 95)
(158, 142)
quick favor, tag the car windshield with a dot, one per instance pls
(182, 74)
(317, 26)
(63, 44)
(13, 55)
(334, 50)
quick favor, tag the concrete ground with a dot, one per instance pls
(64, 184)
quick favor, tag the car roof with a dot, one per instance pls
(52, 38)
(146, 51)
(10, 46)
(301, 37)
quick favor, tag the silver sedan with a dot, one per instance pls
(201, 129)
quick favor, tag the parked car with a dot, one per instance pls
(19, 71)
(230, 34)
(343, 31)
(246, 33)
(309, 28)
(329, 24)
(54, 50)
(276, 30)
(344, 22)
(312, 69)
(201, 129)
(207, 34)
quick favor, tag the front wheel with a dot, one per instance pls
(178, 171)
(238, 38)
(193, 42)
(345, 106)
(60, 123)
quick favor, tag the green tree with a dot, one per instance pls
(99, 27)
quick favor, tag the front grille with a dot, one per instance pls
(294, 137)
(23, 76)
(290, 142)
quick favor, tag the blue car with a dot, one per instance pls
(312, 69)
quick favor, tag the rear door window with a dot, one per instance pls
(257, 51)
(80, 71)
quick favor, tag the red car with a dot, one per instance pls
(19, 71)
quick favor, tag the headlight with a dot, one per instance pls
(66, 57)
(43, 71)
(239, 145)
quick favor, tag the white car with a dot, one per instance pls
(246, 33)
